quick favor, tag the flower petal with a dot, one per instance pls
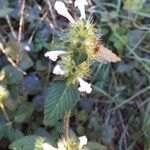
(81, 5)
(53, 55)
(62, 10)
(83, 141)
(58, 71)
(84, 86)
(46, 146)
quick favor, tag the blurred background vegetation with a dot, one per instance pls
(116, 115)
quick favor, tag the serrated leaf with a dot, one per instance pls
(61, 97)
(28, 143)
(5, 11)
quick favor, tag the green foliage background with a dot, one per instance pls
(116, 115)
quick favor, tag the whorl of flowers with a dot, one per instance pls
(81, 45)
(68, 144)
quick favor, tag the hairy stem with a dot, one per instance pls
(66, 123)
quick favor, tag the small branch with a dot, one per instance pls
(11, 61)
(34, 31)
(49, 22)
(22, 4)
(11, 27)
(14, 65)
(46, 17)
(66, 123)
(52, 12)
(5, 113)
(90, 2)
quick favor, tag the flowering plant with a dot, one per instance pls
(81, 46)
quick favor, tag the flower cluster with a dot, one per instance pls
(81, 46)
(68, 143)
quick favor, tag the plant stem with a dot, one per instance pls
(5, 113)
(11, 27)
(22, 7)
(66, 123)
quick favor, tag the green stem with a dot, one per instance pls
(4, 111)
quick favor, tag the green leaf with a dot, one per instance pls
(24, 111)
(134, 36)
(95, 146)
(133, 5)
(28, 143)
(25, 61)
(14, 50)
(13, 134)
(41, 65)
(5, 11)
(107, 134)
(106, 17)
(31, 85)
(12, 75)
(79, 57)
(2, 127)
(123, 68)
(39, 43)
(61, 97)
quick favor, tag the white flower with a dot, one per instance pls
(61, 146)
(83, 141)
(53, 55)
(84, 86)
(46, 146)
(62, 10)
(58, 71)
(81, 5)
